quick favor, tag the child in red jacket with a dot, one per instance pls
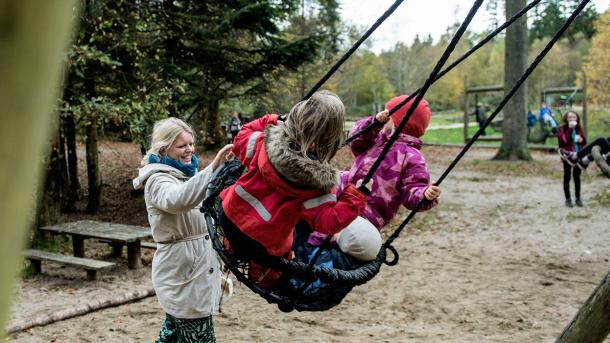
(288, 178)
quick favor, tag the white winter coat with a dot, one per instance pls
(185, 268)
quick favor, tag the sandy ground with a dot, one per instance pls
(501, 260)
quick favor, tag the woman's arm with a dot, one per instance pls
(171, 196)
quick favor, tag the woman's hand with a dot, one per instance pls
(383, 116)
(222, 155)
(432, 192)
(578, 139)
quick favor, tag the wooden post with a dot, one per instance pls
(133, 255)
(36, 266)
(91, 274)
(592, 322)
(78, 246)
(466, 110)
(117, 249)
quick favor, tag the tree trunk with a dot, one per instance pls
(70, 132)
(65, 191)
(514, 127)
(213, 134)
(49, 207)
(30, 65)
(592, 322)
(93, 168)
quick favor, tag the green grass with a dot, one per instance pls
(446, 117)
(603, 198)
(455, 136)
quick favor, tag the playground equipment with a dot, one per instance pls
(478, 111)
(561, 97)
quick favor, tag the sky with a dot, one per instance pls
(414, 17)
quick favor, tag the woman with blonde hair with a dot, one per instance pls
(289, 177)
(185, 268)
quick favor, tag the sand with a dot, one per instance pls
(500, 260)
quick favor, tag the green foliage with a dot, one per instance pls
(597, 66)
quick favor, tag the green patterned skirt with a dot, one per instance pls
(176, 330)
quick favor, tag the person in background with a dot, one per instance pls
(234, 125)
(571, 138)
(546, 116)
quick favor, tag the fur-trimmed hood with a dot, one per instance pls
(294, 167)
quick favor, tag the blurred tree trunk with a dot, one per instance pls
(33, 36)
(50, 201)
(514, 127)
(70, 134)
(68, 145)
(93, 169)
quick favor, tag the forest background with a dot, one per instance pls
(132, 63)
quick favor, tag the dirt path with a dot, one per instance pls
(501, 260)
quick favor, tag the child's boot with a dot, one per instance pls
(569, 202)
(579, 202)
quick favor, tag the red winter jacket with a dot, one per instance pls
(281, 186)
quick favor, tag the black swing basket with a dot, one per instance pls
(338, 282)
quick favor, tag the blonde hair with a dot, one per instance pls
(164, 134)
(316, 124)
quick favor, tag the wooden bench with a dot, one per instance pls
(117, 235)
(91, 266)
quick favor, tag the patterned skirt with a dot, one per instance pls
(176, 330)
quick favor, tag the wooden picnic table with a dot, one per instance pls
(116, 235)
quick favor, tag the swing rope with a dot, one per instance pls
(504, 101)
(472, 50)
(420, 95)
(353, 49)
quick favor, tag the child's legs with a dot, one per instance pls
(577, 173)
(567, 174)
(603, 144)
(360, 239)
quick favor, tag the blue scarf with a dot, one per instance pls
(188, 169)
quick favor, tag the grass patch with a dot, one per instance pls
(578, 215)
(603, 197)
(456, 135)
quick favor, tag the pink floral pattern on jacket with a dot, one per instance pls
(402, 176)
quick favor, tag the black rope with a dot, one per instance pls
(454, 64)
(504, 101)
(355, 47)
(424, 89)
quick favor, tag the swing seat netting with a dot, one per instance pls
(290, 291)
